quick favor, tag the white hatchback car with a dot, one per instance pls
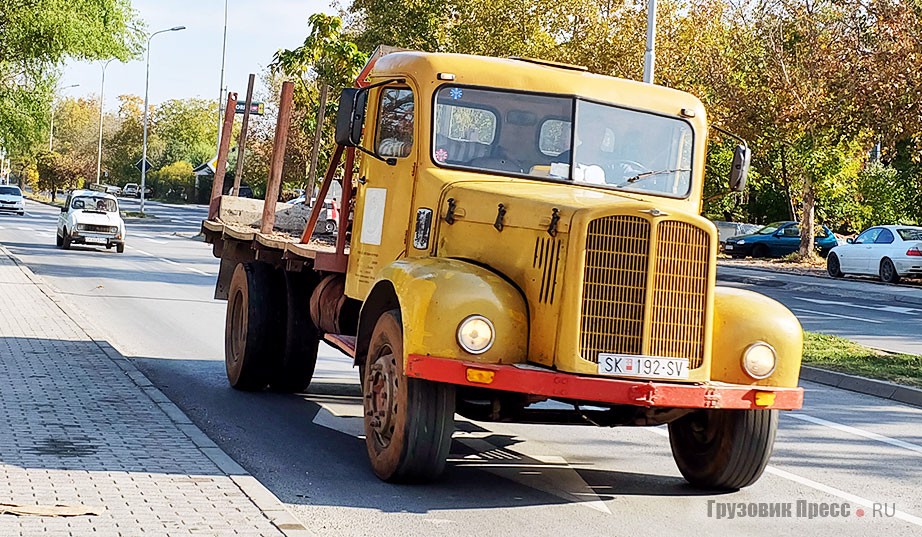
(91, 218)
(890, 252)
(11, 200)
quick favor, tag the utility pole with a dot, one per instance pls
(649, 57)
(221, 89)
(102, 89)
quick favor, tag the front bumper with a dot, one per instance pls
(13, 208)
(540, 381)
(92, 239)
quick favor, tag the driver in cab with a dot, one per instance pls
(595, 161)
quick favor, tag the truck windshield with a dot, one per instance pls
(536, 136)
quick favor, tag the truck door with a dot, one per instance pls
(384, 192)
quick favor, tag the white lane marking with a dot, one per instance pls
(165, 260)
(912, 519)
(30, 215)
(889, 309)
(44, 234)
(155, 241)
(142, 252)
(26, 228)
(837, 315)
(858, 432)
(906, 517)
(140, 235)
(193, 269)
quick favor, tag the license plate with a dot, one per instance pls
(728, 247)
(643, 366)
(95, 240)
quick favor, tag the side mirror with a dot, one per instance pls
(64, 209)
(739, 168)
(850, 241)
(350, 118)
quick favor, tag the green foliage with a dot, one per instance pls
(36, 36)
(187, 128)
(57, 171)
(173, 182)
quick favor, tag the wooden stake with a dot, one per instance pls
(278, 158)
(221, 167)
(241, 143)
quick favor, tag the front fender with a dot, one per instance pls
(435, 295)
(740, 319)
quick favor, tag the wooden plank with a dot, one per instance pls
(278, 158)
(227, 130)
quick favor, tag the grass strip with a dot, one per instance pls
(839, 354)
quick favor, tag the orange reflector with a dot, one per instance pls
(765, 398)
(480, 376)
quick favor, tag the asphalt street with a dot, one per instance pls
(155, 303)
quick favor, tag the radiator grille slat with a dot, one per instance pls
(614, 286)
(680, 292)
(618, 257)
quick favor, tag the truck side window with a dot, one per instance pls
(395, 123)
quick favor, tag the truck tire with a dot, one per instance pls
(723, 449)
(292, 371)
(408, 422)
(252, 327)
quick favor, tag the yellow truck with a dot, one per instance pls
(516, 231)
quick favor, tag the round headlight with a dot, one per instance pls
(759, 360)
(475, 334)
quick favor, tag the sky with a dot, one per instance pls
(187, 63)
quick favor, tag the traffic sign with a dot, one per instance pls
(256, 109)
(147, 165)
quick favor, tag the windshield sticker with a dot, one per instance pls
(456, 93)
(441, 155)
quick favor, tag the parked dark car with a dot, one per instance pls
(777, 240)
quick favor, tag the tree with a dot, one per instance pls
(56, 171)
(187, 129)
(331, 61)
(35, 37)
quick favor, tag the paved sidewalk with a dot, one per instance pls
(79, 427)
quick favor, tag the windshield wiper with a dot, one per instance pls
(654, 173)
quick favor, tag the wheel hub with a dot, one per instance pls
(381, 397)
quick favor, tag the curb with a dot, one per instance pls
(897, 297)
(866, 386)
(262, 497)
(48, 203)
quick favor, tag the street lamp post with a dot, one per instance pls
(102, 89)
(146, 87)
(51, 130)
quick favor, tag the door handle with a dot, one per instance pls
(362, 180)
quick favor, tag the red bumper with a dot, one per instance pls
(537, 381)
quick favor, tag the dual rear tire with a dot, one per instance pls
(269, 337)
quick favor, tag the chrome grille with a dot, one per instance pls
(615, 295)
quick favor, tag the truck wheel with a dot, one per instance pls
(408, 422)
(723, 449)
(251, 328)
(292, 371)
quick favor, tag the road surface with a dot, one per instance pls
(154, 301)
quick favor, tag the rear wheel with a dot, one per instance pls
(293, 369)
(408, 422)
(833, 267)
(723, 449)
(330, 226)
(251, 329)
(888, 272)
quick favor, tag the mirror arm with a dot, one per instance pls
(730, 134)
(390, 161)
